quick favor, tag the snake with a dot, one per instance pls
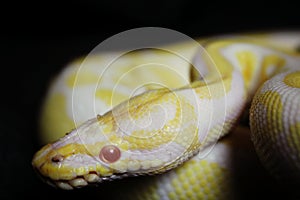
(152, 112)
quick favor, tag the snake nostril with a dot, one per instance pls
(57, 158)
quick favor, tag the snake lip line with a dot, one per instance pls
(90, 179)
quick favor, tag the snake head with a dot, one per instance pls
(82, 157)
(95, 152)
(117, 145)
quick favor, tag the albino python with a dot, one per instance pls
(151, 112)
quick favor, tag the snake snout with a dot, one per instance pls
(40, 157)
(47, 159)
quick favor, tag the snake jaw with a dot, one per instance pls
(53, 170)
(52, 167)
(71, 163)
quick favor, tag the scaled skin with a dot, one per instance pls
(74, 160)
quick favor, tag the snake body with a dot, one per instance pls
(173, 128)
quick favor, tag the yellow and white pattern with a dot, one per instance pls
(173, 125)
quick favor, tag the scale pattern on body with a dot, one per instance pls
(173, 127)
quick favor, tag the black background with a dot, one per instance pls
(38, 39)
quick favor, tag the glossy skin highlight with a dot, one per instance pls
(137, 137)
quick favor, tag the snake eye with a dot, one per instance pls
(110, 154)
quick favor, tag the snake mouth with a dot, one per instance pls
(48, 161)
(90, 179)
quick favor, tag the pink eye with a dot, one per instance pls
(110, 154)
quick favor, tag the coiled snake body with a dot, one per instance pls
(177, 120)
